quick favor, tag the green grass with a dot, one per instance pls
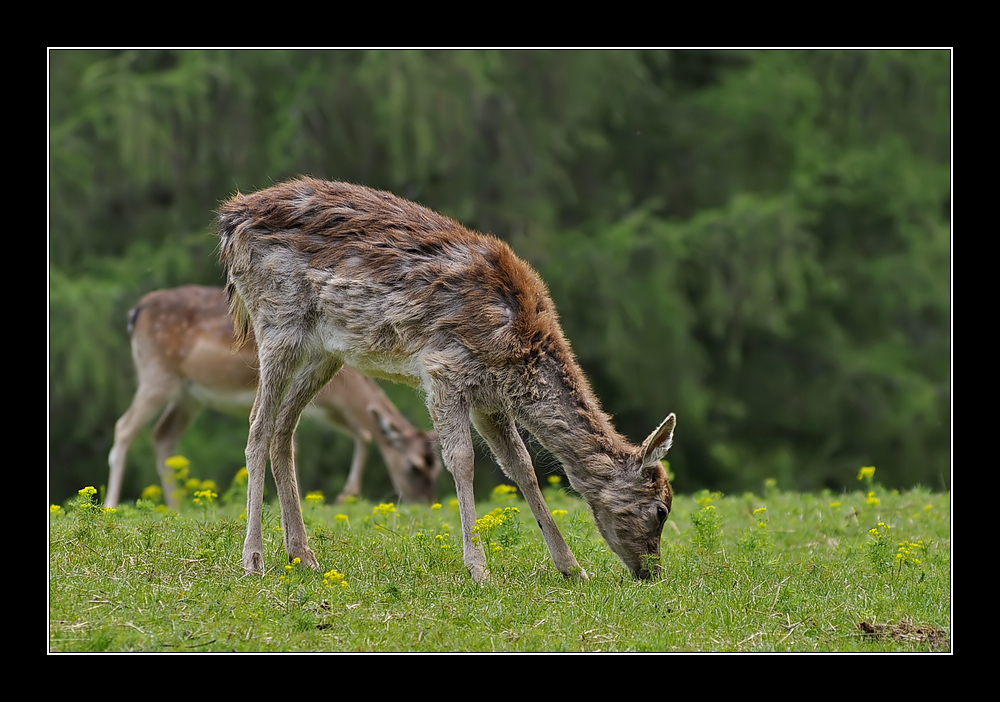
(805, 574)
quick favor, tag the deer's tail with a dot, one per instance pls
(235, 219)
(133, 315)
(242, 327)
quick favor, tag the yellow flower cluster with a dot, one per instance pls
(876, 531)
(332, 577)
(707, 499)
(906, 551)
(180, 465)
(287, 577)
(315, 497)
(153, 493)
(760, 513)
(866, 473)
(559, 513)
(494, 519)
(88, 491)
(873, 500)
(554, 480)
(385, 509)
(505, 491)
(207, 495)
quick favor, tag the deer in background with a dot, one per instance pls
(325, 273)
(182, 347)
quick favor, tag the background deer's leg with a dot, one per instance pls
(352, 488)
(455, 436)
(501, 434)
(178, 416)
(309, 380)
(153, 394)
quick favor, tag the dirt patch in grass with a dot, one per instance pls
(907, 631)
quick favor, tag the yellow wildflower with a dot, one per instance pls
(385, 509)
(206, 495)
(503, 490)
(153, 493)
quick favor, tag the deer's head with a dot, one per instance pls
(415, 459)
(635, 503)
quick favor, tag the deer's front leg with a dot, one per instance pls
(459, 458)
(352, 488)
(501, 434)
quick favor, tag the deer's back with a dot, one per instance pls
(380, 279)
(187, 332)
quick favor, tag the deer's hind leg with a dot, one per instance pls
(309, 380)
(277, 368)
(501, 434)
(176, 419)
(156, 389)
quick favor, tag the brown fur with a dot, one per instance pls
(181, 341)
(327, 273)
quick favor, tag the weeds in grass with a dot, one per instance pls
(499, 529)
(706, 522)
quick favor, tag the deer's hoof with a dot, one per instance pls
(306, 557)
(253, 563)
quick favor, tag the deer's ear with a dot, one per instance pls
(658, 443)
(385, 424)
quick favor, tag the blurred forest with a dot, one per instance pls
(758, 241)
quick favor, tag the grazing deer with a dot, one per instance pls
(182, 347)
(324, 274)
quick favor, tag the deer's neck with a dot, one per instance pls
(561, 411)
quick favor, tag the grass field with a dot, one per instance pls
(863, 571)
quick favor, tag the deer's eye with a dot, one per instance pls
(661, 514)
